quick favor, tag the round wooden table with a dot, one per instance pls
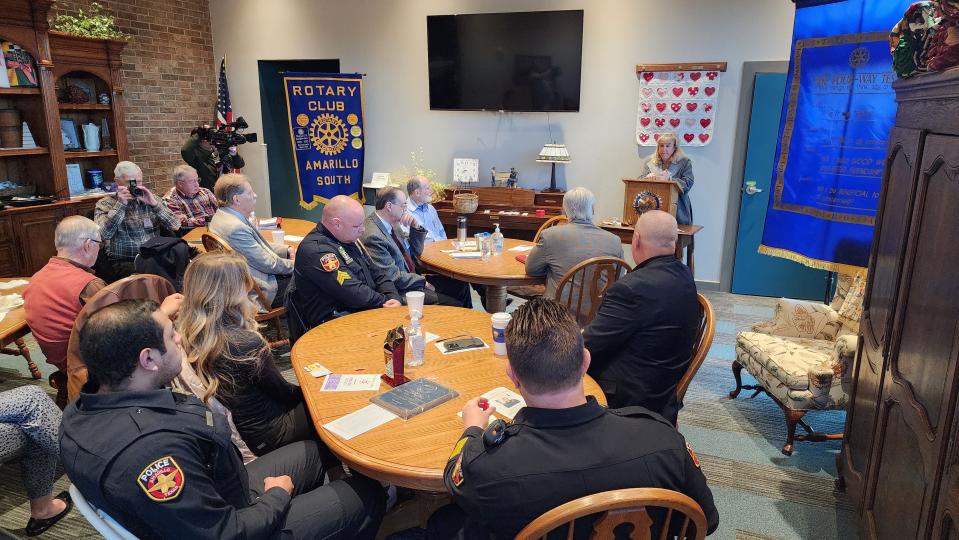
(14, 327)
(410, 453)
(296, 227)
(497, 273)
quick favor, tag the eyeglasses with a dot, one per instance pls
(95, 240)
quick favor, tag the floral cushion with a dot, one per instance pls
(801, 319)
(788, 359)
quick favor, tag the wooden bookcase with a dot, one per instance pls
(26, 234)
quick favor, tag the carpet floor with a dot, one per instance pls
(761, 494)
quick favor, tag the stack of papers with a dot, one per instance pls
(268, 223)
(13, 284)
(466, 255)
(522, 248)
(359, 422)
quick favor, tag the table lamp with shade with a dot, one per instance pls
(553, 153)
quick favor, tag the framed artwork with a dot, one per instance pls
(68, 129)
(465, 170)
(88, 86)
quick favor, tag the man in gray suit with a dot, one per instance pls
(563, 247)
(394, 252)
(270, 264)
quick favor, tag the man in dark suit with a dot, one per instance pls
(643, 336)
(396, 252)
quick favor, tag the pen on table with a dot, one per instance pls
(449, 338)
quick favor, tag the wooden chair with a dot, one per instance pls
(704, 340)
(529, 291)
(622, 506)
(584, 285)
(551, 222)
(212, 242)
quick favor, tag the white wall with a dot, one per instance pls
(386, 39)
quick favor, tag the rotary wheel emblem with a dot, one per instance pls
(646, 201)
(328, 134)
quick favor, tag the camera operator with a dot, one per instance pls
(127, 219)
(210, 162)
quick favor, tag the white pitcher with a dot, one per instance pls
(91, 137)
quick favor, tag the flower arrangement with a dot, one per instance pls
(95, 23)
(418, 168)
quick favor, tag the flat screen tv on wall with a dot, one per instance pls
(529, 61)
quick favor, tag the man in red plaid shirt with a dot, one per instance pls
(191, 204)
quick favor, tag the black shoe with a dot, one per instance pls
(37, 526)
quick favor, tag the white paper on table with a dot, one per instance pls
(292, 238)
(442, 348)
(359, 422)
(506, 401)
(448, 250)
(10, 301)
(522, 248)
(13, 284)
(466, 255)
(338, 382)
(3, 314)
(430, 336)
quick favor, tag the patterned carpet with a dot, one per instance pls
(761, 494)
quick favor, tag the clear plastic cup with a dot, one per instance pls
(414, 301)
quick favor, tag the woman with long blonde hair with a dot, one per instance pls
(669, 162)
(232, 360)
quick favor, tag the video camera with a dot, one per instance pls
(227, 135)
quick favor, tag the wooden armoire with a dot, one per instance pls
(900, 456)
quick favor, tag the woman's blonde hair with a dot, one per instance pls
(677, 153)
(216, 290)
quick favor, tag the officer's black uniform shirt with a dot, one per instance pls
(643, 336)
(333, 276)
(552, 456)
(163, 465)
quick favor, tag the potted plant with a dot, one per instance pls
(94, 23)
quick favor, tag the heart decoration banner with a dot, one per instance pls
(680, 102)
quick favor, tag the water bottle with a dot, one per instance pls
(497, 239)
(417, 340)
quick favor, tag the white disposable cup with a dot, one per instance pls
(414, 301)
(500, 320)
(278, 237)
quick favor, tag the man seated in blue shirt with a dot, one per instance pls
(419, 205)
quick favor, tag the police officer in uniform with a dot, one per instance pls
(163, 465)
(332, 273)
(562, 445)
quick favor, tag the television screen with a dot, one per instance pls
(528, 61)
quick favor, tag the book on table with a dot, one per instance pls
(414, 397)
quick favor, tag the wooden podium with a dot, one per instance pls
(656, 194)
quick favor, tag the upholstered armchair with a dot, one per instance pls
(803, 357)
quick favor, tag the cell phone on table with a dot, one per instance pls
(464, 343)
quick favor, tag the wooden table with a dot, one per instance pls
(13, 328)
(296, 227)
(497, 273)
(686, 240)
(410, 453)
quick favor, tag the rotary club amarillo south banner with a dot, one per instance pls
(326, 131)
(837, 114)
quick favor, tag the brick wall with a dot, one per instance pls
(169, 76)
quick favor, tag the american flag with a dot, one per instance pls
(224, 108)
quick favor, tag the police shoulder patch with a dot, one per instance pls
(162, 480)
(692, 455)
(457, 476)
(329, 262)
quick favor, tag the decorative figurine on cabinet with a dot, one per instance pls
(512, 178)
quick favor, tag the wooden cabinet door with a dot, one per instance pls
(946, 516)
(35, 231)
(885, 265)
(9, 261)
(918, 392)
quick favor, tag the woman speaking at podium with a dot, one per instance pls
(670, 163)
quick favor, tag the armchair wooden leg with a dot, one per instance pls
(58, 380)
(737, 373)
(793, 418)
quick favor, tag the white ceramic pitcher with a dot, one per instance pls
(91, 137)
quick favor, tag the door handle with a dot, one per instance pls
(751, 188)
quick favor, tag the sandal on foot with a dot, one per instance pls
(37, 526)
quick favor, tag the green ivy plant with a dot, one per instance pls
(95, 23)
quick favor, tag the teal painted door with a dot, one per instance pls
(753, 272)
